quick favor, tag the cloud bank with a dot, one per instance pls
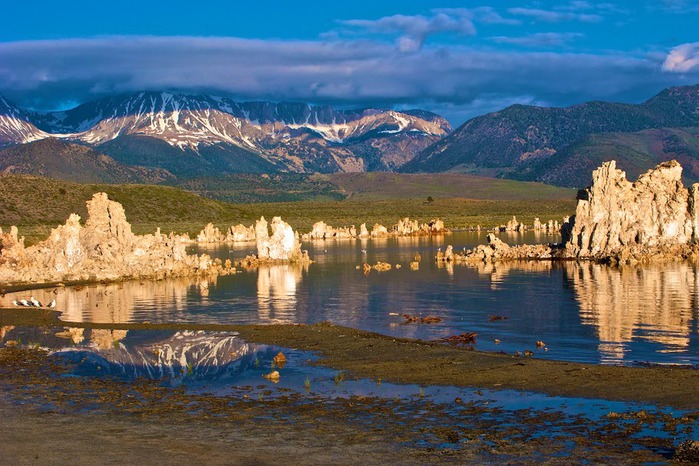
(456, 81)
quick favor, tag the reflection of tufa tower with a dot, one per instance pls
(276, 291)
(118, 302)
(651, 303)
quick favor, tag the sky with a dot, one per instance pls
(460, 59)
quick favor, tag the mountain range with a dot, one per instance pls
(563, 145)
(156, 137)
(204, 135)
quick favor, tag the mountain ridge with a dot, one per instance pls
(522, 142)
(66, 161)
(284, 136)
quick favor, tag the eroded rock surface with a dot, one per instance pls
(615, 218)
(234, 234)
(404, 227)
(321, 230)
(104, 249)
(655, 218)
(495, 250)
(282, 245)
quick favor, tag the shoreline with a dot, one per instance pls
(372, 355)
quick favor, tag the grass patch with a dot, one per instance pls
(38, 204)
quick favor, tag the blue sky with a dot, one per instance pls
(459, 59)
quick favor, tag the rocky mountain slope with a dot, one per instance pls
(191, 135)
(563, 145)
(72, 162)
(16, 127)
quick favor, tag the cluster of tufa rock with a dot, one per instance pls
(495, 250)
(617, 221)
(404, 227)
(235, 234)
(625, 221)
(552, 226)
(282, 246)
(104, 249)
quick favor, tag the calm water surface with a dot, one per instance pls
(582, 312)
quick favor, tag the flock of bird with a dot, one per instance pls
(33, 302)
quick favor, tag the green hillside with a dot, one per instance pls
(634, 153)
(38, 204)
(382, 185)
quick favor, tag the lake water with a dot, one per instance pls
(581, 311)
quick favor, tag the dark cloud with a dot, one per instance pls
(458, 82)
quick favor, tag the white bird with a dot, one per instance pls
(363, 251)
(24, 302)
(35, 302)
(16, 303)
(52, 304)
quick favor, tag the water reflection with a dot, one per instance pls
(118, 302)
(156, 354)
(276, 291)
(499, 272)
(583, 312)
(655, 304)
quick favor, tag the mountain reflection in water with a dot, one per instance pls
(159, 355)
(583, 312)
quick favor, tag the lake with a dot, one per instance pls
(580, 311)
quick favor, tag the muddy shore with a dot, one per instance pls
(50, 416)
(371, 355)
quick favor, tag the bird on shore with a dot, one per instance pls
(16, 303)
(35, 302)
(24, 303)
(52, 304)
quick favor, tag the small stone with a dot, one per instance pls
(280, 360)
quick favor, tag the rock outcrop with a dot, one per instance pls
(104, 249)
(236, 233)
(404, 227)
(407, 227)
(495, 250)
(281, 246)
(655, 218)
(241, 234)
(514, 225)
(210, 234)
(626, 222)
(321, 230)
